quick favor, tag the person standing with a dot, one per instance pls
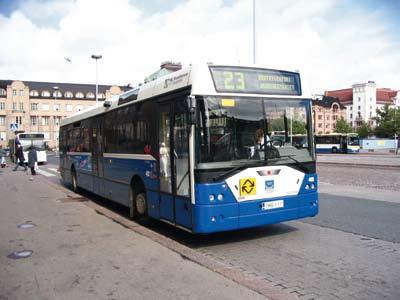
(2, 157)
(32, 159)
(20, 159)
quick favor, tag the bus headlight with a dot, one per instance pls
(211, 197)
(220, 197)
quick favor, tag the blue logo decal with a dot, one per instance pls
(269, 186)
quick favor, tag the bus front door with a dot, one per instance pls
(175, 205)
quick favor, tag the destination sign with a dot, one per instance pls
(31, 136)
(256, 81)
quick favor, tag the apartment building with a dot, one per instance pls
(326, 111)
(38, 107)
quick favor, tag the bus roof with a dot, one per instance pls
(197, 77)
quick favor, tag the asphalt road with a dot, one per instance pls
(376, 219)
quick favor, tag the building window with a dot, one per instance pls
(351, 123)
(45, 94)
(370, 114)
(351, 116)
(79, 107)
(359, 114)
(359, 99)
(57, 120)
(2, 120)
(34, 106)
(34, 93)
(3, 92)
(46, 135)
(14, 92)
(45, 121)
(79, 95)
(57, 94)
(359, 107)
(56, 107)
(21, 106)
(69, 107)
(319, 125)
(351, 107)
(14, 106)
(45, 107)
(68, 95)
(21, 92)
(90, 95)
(3, 136)
(34, 120)
(18, 120)
(370, 99)
(101, 96)
(2, 105)
(319, 117)
(327, 126)
(327, 117)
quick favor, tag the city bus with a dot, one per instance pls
(182, 149)
(337, 143)
(27, 140)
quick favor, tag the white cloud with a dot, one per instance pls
(335, 45)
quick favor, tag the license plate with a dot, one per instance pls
(272, 204)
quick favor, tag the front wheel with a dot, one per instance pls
(138, 205)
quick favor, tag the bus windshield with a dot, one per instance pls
(354, 140)
(239, 130)
(26, 144)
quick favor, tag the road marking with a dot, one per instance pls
(44, 173)
(53, 169)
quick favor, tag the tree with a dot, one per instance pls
(299, 127)
(342, 126)
(387, 122)
(364, 130)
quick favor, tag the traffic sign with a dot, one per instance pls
(14, 126)
(247, 186)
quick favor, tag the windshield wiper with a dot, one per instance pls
(298, 163)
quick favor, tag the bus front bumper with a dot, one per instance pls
(233, 216)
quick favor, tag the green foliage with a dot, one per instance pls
(299, 127)
(387, 122)
(342, 126)
(364, 130)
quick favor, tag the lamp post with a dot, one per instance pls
(96, 57)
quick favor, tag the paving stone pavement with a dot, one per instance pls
(313, 262)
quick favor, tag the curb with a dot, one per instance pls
(359, 165)
(236, 274)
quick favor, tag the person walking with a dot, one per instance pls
(3, 155)
(19, 156)
(32, 159)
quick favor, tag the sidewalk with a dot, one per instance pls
(79, 254)
(380, 160)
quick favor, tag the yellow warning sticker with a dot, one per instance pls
(247, 186)
(228, 102)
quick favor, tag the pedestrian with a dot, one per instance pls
(32, 159)
(19, 158)
(3, 155)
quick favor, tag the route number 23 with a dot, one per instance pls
(234, 80)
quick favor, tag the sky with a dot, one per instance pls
(334, 43)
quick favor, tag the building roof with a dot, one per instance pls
(327, 101)
(385, 96)
(345, 96)
(62, 87)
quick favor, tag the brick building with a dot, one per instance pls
(326, 111)
(38, 107)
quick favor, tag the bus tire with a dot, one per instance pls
(138, 204)
(74, 181)
(334, 150)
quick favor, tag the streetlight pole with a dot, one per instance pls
(56, 89)
(254, 31)
(96, 57)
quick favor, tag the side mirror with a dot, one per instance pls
(107, 103)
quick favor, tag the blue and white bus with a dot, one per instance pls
(337, 143)
(185, 149)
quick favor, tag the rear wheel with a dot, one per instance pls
(74, 181)
(334, 150)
